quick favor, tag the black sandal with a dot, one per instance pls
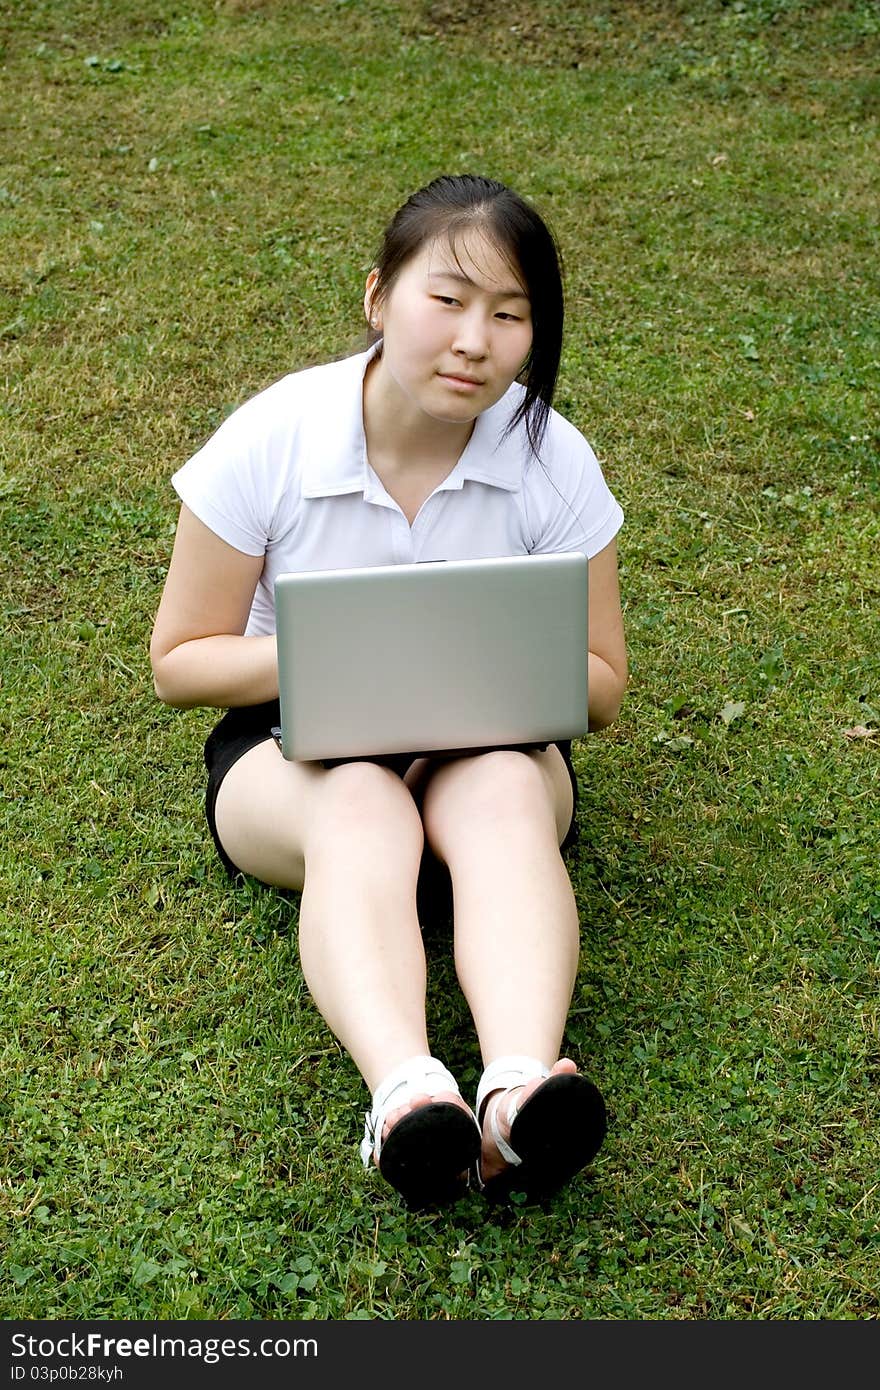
(431, 1151)
(558, 1131)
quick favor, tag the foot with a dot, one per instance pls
(421, 1134)
(415, 1103)
(499, 1102)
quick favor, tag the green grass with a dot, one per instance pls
(189, 200)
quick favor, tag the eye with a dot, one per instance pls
(445, 299)
(509, 318)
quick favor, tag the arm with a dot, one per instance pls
(198, 652)
(607, 660)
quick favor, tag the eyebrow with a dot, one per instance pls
(461, 279)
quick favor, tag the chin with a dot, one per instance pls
(459, 417)
(458, 409)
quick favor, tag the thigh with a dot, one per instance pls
(271, 815)
(261, 813)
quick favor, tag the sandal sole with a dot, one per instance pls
(427, 1153)
(557, 1133)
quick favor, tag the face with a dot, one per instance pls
(456, 328)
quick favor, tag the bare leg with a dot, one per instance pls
(360, 941)
(350, 839)
(497, 821)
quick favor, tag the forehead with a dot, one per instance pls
(472, 255)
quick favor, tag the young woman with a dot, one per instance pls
(438, 442)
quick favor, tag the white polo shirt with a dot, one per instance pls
(286, 476)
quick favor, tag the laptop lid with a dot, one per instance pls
(439, 655)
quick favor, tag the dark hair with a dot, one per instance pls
(456, 203)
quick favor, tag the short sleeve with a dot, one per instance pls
(232, 483)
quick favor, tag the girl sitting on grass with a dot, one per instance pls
(438, 442)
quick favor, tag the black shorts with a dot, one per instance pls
(242, 729)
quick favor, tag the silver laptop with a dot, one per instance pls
(438, 656)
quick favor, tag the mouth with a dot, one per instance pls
(456, 379)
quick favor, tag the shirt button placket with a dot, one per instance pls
(402, 539)
(427, 523)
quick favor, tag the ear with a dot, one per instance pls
(371, 309)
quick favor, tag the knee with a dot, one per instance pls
(505, 785)
(364, 799)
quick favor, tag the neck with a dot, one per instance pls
(400, 434)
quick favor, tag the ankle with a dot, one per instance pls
(507, 1073)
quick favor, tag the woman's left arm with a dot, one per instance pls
(608, 668)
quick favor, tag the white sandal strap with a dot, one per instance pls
(506, 1074)
(416, 1076)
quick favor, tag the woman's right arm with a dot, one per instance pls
(198, 652)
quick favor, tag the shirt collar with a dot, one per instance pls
(340, 464)
(336, 460)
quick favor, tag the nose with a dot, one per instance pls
(471, 336)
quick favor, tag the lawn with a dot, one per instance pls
(190, 196)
